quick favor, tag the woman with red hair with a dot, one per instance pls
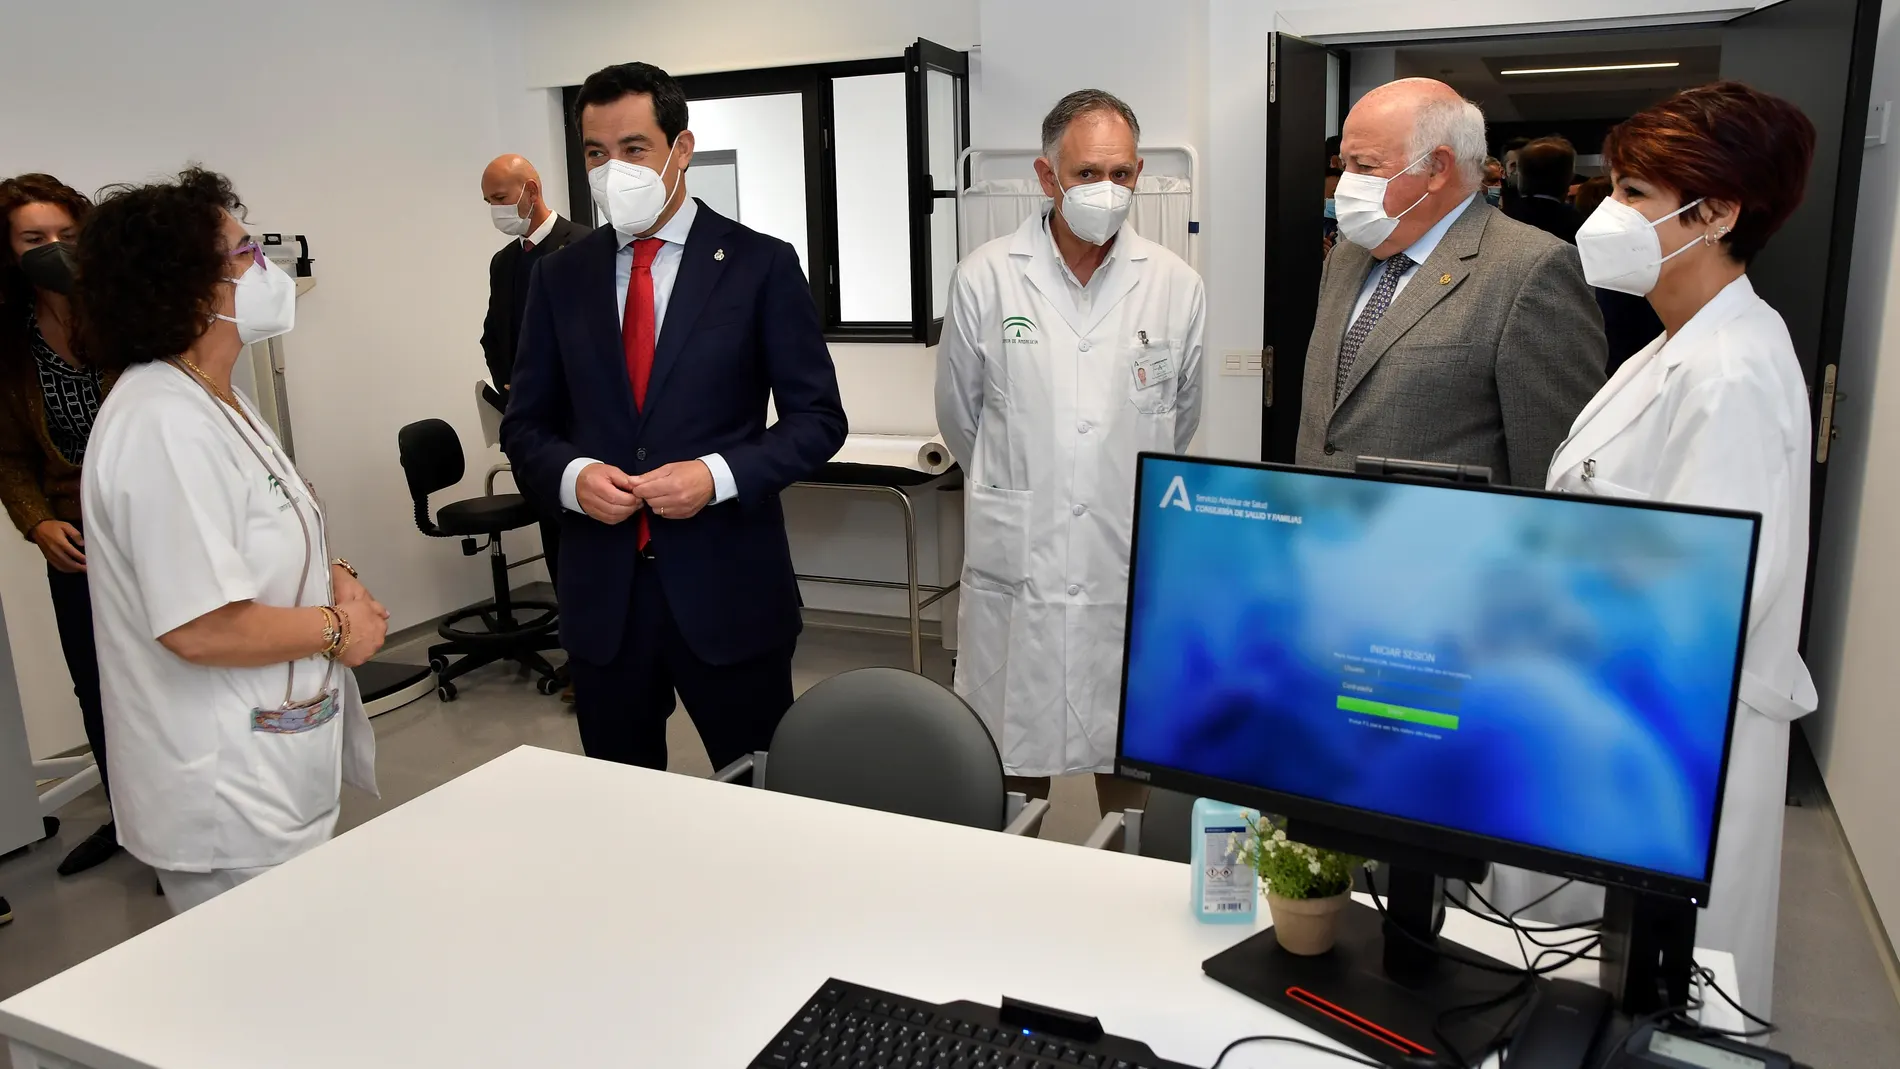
(1713, 413)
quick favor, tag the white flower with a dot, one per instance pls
(1279, 836)
(1314, 868)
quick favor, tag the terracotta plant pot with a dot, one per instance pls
(1306, 926)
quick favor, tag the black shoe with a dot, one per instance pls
(96, 850)
(6, 913)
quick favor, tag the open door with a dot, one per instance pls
(1296, 198)
(1819, 55)
(937, 93)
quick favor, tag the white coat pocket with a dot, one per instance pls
(1154, 373)
(996, 538)
(297, 776)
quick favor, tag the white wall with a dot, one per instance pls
(362, 125)
(566, 40)
(1856, 620)
(1371, 68)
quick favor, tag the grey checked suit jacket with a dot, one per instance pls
(1487, 357)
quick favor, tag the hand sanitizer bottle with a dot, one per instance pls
(1226, 890)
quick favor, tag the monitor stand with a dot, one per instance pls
(1388, 998)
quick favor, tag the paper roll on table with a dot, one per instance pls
(915, 452)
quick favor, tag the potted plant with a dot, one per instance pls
(1306, 886)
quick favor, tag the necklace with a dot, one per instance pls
(226, 396)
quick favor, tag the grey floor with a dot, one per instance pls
(1838, 1005)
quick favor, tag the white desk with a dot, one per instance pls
(548, 910)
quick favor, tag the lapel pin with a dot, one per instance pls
(1444, 280)
(720, 254)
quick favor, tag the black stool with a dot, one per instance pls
(432, 461)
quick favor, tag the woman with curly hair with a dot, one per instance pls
(226, 630)
(48, 401)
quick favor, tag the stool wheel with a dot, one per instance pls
(446, 692)
(549, 685)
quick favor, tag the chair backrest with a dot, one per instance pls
(1167, 826)
(431, 456)
(893, 740)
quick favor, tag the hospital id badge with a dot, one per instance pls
(294, 718)
(1153, 369)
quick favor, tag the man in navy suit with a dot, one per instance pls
(648, 352)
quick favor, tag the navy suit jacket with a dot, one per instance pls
(740, 327)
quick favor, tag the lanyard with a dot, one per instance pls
(309, 549)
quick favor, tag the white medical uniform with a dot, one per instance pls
(183, 519)
(1717, 416)
(1046, 391)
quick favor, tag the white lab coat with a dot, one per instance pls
(1038, 398)
(1717, 416)
(183, 518)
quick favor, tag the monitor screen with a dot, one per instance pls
(1516, 669)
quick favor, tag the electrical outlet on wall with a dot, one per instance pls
(1242, 362)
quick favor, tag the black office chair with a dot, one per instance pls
(511, 629)
(892, 740)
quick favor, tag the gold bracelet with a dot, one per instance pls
(343, 645)
(332, 630)
(339, 562)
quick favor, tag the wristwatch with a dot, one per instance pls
(339, 562)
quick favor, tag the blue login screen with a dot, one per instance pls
(1553, 672)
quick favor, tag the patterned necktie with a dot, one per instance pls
(1395, 268)
(637, 333)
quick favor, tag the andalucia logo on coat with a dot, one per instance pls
(1020, 330)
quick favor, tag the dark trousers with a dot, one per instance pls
(623, 706)
(72, 611)
(551, 549)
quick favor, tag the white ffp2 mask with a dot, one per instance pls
(265, 303)
(509, 220)
(1360, 206)
(629, 195)
(1620, 249)
(1095, 212)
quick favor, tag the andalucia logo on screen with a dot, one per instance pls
(1019, 330)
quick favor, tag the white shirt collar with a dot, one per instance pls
(1427, 242)
(541, 232)
(676, 229)
(1114, 248)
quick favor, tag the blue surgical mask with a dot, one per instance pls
(1494, 194)
(1332, 208)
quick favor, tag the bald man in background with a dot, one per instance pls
(518, 208)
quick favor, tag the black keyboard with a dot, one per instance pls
(846, 1026)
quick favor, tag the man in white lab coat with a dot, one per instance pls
(1070, 346)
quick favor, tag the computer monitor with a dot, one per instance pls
(1439, 671)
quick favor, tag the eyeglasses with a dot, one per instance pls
(255, 250)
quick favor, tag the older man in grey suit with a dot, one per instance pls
(1446, 331)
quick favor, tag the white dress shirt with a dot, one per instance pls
(666, 271)
(1080, 291)
(541, 232)
(1420, 250)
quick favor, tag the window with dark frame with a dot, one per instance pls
(854, 163)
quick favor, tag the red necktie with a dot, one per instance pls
(527, 245)
(637, 332)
